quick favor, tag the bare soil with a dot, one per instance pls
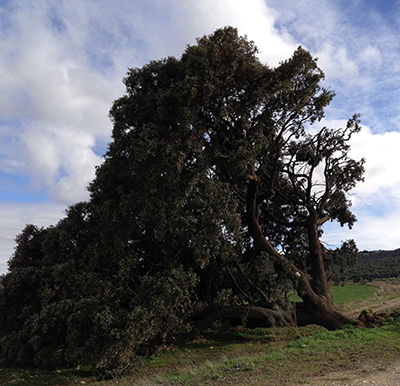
(370, 373)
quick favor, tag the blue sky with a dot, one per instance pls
(62, 64)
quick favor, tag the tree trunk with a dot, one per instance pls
(320, 280)
(318, 307)
(250, 316)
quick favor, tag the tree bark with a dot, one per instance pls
(320, 280)
(318, 307)
(250, 316)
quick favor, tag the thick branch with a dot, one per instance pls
(252, 220)
(304, 289)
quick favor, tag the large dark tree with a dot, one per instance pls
(210, 203)
(216, 156)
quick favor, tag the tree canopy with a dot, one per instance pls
(209, 204)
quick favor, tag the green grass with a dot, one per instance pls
(351, 292)
(282, 357)
(348, 293)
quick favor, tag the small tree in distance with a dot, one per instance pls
(209, 204)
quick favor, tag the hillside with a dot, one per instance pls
(373, 265)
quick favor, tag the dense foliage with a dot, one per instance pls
(376, 265)
(213, 193)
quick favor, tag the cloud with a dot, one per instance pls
(62, 159)
(376, 202)
(57, 110)
(253, 18)
(370, 232)
(336, 62)
(358, 49)
(382, 160)
(371, 56)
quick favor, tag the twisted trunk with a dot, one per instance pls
(318, 307)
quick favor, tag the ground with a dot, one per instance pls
(369, 373)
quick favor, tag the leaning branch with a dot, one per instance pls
(304, 289)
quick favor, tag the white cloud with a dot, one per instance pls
(253, 18)
(336, 63)
(62, 159)
(60, 102)
(382, 160)
(371, 56)
(371, 232)
(376, 202)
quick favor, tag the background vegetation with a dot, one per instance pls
(373, 265)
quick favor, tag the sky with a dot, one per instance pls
(62, 63)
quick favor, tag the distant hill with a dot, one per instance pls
(373, 265)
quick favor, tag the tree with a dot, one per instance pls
(221, 162)
(209, 204)
(20, 295)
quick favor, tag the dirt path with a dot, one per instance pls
(384, 306)
(385, 300)
(371, 373)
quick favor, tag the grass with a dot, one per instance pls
(352, 293)
(238, 356)
(348, 293)
(280, 358)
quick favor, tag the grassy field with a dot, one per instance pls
(348, 293)
(240, 356)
